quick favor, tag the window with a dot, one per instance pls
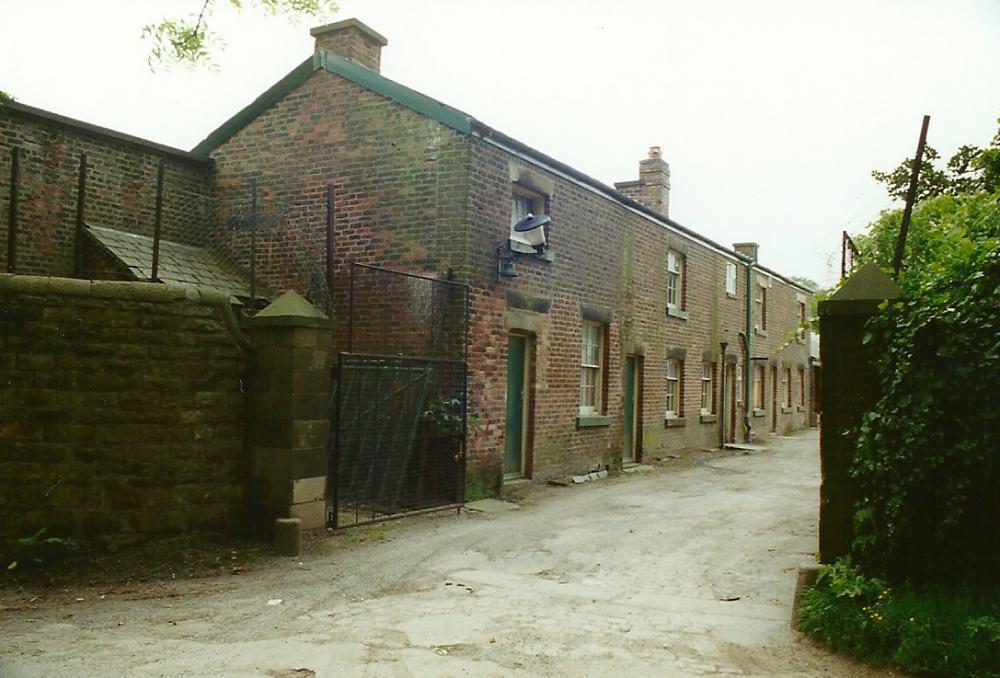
(675, 280)
(760, 306)
(758, 387)
(802, 386)
(591, 367)
(523, 202)
(803, 320)
(786, 387)
(674, 370)
(707, 387)
(731, 279)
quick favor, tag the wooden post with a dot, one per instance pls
(157, 224)
(911, 194)
(81, 195)
(15, 175)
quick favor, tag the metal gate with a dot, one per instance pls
(398, 402)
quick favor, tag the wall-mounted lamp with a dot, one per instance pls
(505, 264)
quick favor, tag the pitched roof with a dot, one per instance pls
(179, 264)
(462, 122)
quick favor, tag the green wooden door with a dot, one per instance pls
(628, 452)
(513, 454)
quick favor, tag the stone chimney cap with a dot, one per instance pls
(350, 23)
(654, 151)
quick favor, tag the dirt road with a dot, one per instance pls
(688, 569)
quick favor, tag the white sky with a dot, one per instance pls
(771, 114)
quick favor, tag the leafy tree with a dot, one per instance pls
(190, 41)
(970, 170)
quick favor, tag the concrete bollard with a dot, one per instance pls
(288, 537)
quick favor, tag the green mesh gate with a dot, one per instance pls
(398, 402)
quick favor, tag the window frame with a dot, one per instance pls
(759, 390)
(538, 203)
(707, 387)
(802, 386)
(676, 277)
(760, 305)
(731, 278)
(595, 370)
(787, 388)
(674, 389)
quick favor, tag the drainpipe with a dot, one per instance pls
(722, 393)
(748, 352)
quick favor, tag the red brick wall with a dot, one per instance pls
(121, 190)
(399, 180)
(610, 257)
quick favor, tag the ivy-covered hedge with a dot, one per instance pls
(927, 454)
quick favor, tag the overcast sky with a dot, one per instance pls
(771, 114)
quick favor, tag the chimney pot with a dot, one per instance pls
(654, 151)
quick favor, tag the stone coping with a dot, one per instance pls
(149, 292)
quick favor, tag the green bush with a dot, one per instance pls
(927, 454)
(941, 631)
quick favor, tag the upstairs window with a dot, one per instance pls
(674, 370)
(802, 386)
(803, 320)
(786, 387)
(675, 280)
(760, 306)
(523, 202)
(731, 279)
(707, 386)
(591, 367)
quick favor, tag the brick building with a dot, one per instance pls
(619, 339)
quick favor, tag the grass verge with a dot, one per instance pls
(939, 631)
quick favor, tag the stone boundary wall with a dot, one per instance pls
(122, 410)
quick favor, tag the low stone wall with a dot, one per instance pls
(122, 410)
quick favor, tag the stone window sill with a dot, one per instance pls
(730, 295)
(674, 422)
(590, 420)
(677, 313)
(759, 332)
(785, 409)
(530, 252)
(759, 413)
(708, 418)
(800, 408)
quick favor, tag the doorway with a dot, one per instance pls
(518, 406)
(731, 386)
(632, 448)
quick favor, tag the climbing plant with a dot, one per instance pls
(927, 454)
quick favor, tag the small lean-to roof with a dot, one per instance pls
(178, 264)
(446, 115)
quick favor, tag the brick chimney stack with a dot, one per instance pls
(653, 187)
(353, 40)
(747, 249)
